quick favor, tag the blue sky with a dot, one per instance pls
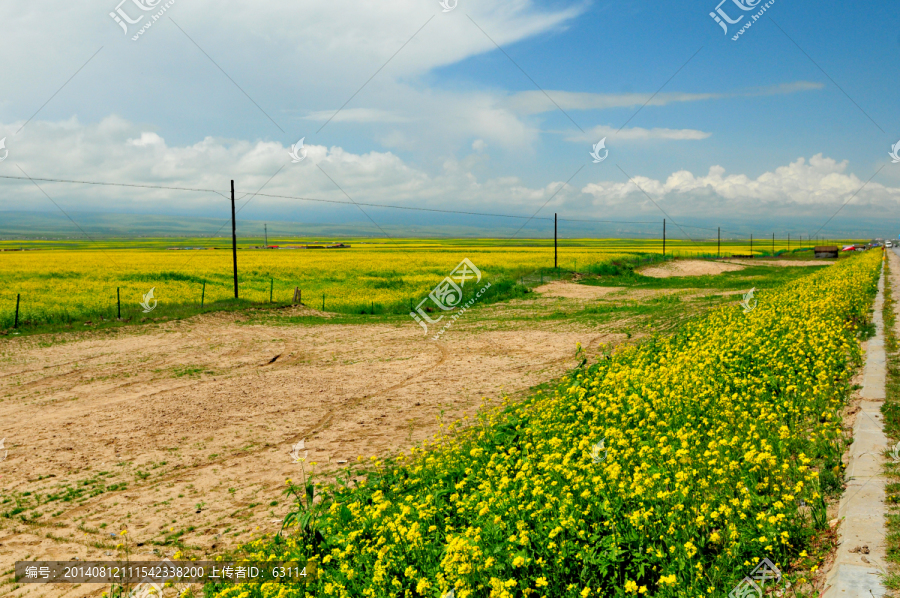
(450, 121)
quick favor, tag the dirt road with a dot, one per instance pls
(182, 432)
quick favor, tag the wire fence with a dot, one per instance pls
(110, 280)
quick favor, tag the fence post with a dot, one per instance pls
(323, 301)
(203, 294)
(751, 245)
(719, 243)
(118, 303)
(16, 324)
(271, 288)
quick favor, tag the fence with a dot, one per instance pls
(375, 280)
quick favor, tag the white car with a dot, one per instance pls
(888, 244)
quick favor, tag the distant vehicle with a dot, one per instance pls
(849, 248)
(888, 244)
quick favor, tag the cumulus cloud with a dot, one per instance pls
(117, 150)
(801, 188)
(316, 57)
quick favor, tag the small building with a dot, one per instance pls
(826, 251)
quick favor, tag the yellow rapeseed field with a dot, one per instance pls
(669, 470)
(66, 285)
(70, 281)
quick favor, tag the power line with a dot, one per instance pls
(608, 221)
(561, 187)
(332, 201)
(113, 184)
(66, 214)
(386, 206)
(411, 208)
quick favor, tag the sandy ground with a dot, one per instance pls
(198, 418)
(688, 268)
(782, 263)
(562, 288)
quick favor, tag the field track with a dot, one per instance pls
(203, 413)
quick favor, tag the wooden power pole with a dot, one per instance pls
(234, 241)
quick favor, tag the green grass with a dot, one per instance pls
(891, 411)
(14, 504)
(751, 276)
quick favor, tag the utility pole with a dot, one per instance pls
(719, 243)
(789, 242)
(773, 244)
(266, 229)
(234, 241)
(751, 245)
(555, 262)
(664, 236)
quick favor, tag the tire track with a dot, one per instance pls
(321, 424)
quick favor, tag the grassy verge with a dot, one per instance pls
(669, 469)
(891, 411)
(751, 276)
(500, 290)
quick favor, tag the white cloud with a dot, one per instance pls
(818, 183)
(636, 134)
(358, 115)
(116, 150)
(537, 102)
(299, 61)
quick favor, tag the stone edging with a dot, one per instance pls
(858, 574)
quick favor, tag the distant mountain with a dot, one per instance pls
(21, 225)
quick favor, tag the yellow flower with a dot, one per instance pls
(631, 587)
(667, 580)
